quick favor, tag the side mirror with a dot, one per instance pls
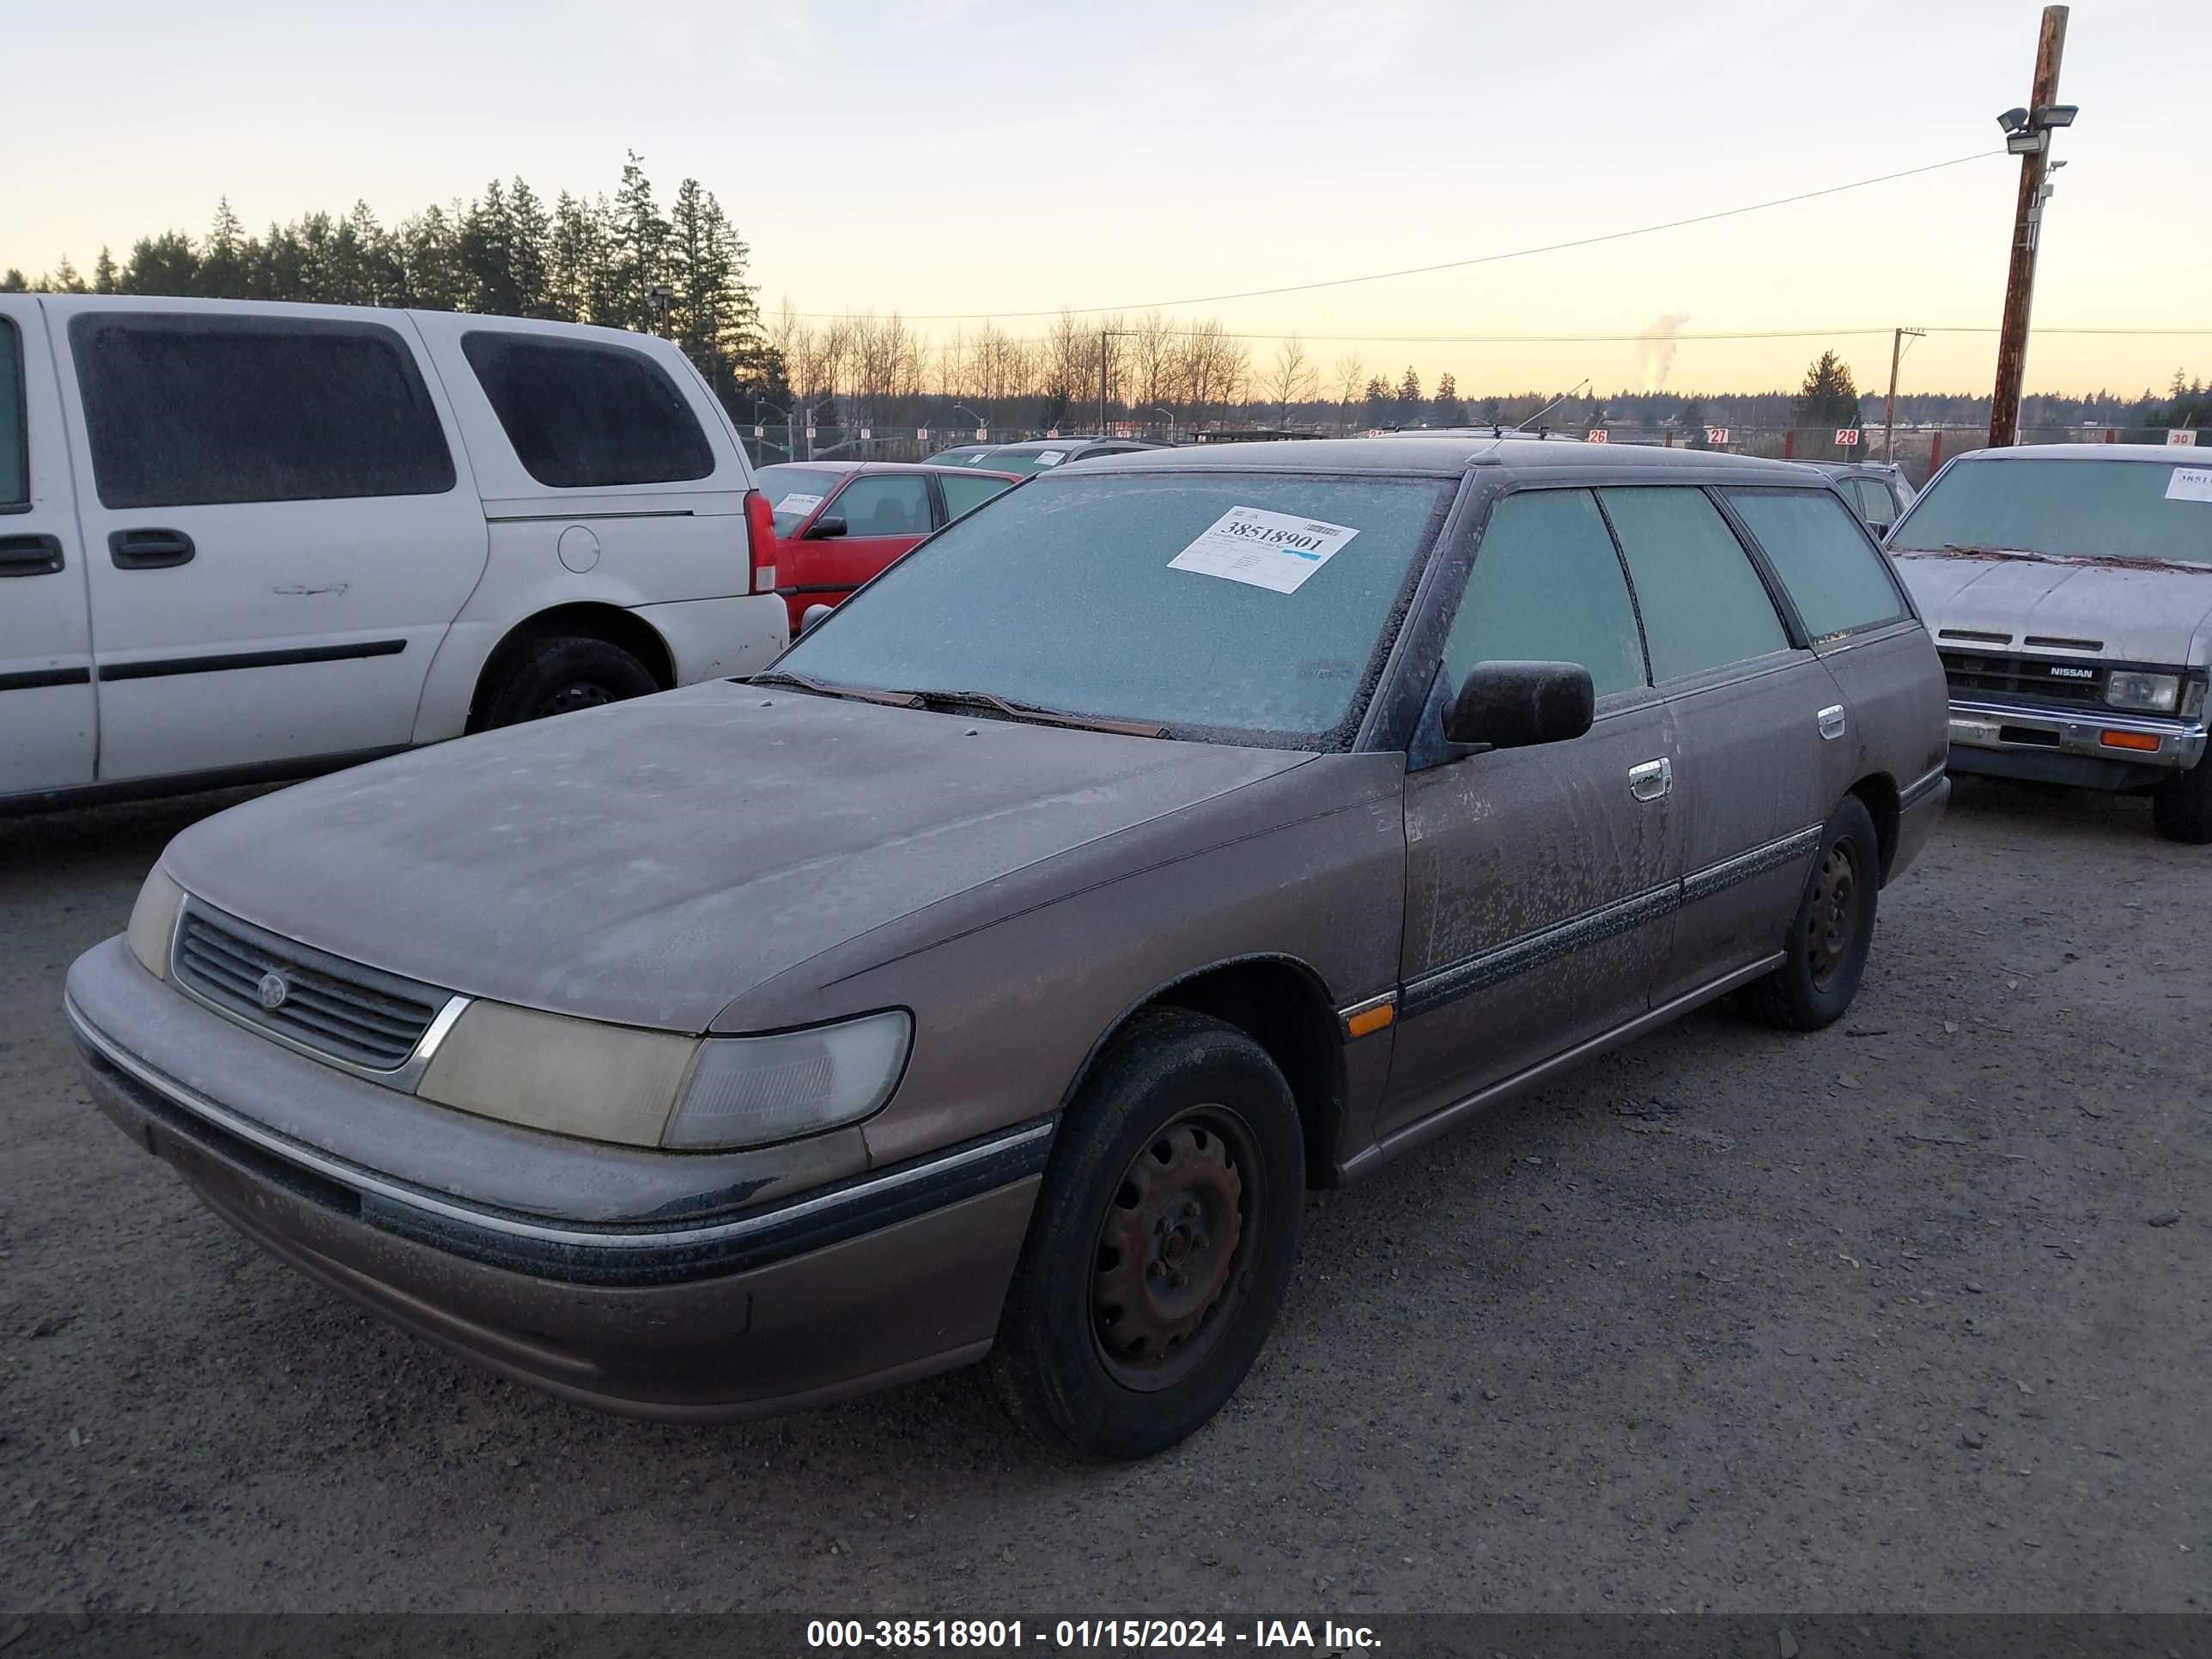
(829, 524)
(1513, 705)
(814, 614)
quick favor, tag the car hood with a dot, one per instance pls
(2131, 613)
(647, 863)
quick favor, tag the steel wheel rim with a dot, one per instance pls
(1173, 1256)
(567, 699)
(1831, 924)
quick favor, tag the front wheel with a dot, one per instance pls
(1824, 952)
(1162, 1244)
(2181, 806)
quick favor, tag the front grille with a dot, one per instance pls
(335, 1008)
(2037, 679)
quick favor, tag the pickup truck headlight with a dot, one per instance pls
(2154, 693)
(747, 1092)
(154, 921)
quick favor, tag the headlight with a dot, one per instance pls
(746, 1092)
(579, 1077)
(2155, 694)
(154, 921)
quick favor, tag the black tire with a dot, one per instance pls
(558, 674)
(2181, 806)
(1824, 953)
(1088, 1358)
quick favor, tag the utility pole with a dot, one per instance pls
(1102, 382)
(2029, 136)
(1889, 404)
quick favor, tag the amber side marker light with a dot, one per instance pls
(2143, 740)
(1372, 1019)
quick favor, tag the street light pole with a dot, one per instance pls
(2029, 136)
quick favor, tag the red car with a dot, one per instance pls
(837, 523)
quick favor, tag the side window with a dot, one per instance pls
(1546, 587)
(584, 416)
(965, 494)
(15, 444)
(885, 504)
(200, 411)
(1838, 582)
(1703, 603)
(1875, 503)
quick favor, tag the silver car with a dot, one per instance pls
(2070, 588)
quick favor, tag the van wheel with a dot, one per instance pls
(1826, 952)
(1161, 1242)
(2181, 806)
(560, 675)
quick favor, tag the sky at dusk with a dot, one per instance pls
(951, 159)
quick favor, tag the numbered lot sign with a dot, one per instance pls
(1716, 435)
(2182, 435)
(1595, 435)
(1846, 436)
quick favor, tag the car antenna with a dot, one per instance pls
(1554, 404)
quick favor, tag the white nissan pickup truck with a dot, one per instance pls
(2070, 590)
(243, 540)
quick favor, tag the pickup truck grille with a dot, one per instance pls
(340, 1010)
(2037, 679)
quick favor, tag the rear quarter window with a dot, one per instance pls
(582, 415)
(203, 410)
(15, 445)
(1839, 582)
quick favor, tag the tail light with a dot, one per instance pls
(760, 534)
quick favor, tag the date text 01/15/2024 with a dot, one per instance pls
(1127, 1635)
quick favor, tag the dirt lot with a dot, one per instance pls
(1911, 1315)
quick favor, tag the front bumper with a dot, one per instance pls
(704, 1317)
(2071, 746)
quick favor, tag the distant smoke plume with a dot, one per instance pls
(1655, 352)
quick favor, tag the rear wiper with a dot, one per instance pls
(825, 689)
(1036, 715)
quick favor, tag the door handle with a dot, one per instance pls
(30, 556)
(1831, 721)
(1651, 780)
(149, 550)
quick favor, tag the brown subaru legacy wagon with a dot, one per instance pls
(988, 979)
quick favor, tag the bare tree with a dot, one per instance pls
(1350, 380)
(1290, 379)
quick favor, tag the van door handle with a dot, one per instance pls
(30, 556)
(1831, 721)
(149, 550)
(1651, 780)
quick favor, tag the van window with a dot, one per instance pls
(583, 415)
(1875, 501)
(198, 410)
(1546, 587)
(1839, 582)
(15, 448)
(1703, 603)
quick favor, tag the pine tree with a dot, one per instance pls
(484, 246)
(222, 266)
(1828, 397)
(1693, 424)
(103, 272)
(1377, 407)
(641, 246)
(1450, 411)
(526, 234)
(13, 281)
(165, 264)
(64, 279)
(1409, 396)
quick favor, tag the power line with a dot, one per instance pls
(1637, 338)
(1454, 264)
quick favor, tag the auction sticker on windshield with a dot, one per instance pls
(1051, 457)
(1274, 550)
(797, 504)
(2189, 483)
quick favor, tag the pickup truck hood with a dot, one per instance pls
(648, 862)
(2139, 613)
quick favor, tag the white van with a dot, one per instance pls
(244, 540)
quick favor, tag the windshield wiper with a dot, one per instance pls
(826, 688)
(1986, 550)
(1034, 714)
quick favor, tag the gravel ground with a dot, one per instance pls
(1907, 1315)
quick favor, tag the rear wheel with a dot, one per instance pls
(1161, 1245)
(1824, 952)
(2181, 806)
(559, 675)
